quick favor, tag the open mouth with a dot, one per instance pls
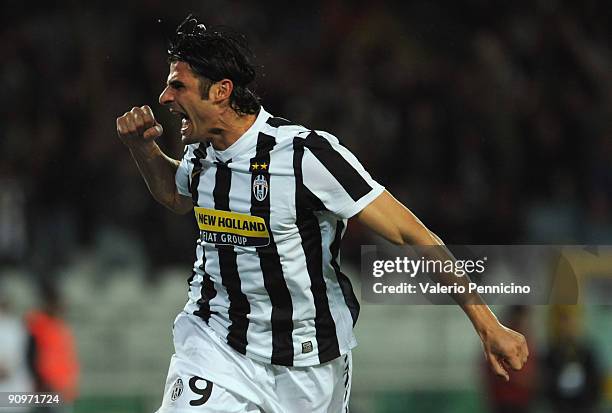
(185, 123)
(185, 120)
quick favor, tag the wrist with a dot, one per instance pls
(483, 319)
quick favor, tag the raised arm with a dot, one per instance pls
(390, 219)
(138, 130)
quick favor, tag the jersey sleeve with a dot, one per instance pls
(184, 172)
(333, 175)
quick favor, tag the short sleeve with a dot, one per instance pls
(184, 172)
(335, 176)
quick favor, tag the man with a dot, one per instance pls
(53, 355)
(268, 325)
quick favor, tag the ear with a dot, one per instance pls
(221, 90)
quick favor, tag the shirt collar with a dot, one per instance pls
(244, 142)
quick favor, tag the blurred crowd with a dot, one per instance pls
(491, 121)
(567, 375)
(38, 353)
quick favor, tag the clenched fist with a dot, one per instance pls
(138, 126)
(504, 348)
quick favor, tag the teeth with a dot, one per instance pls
(184, 124)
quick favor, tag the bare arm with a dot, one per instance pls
(138, 129)
(390, 219)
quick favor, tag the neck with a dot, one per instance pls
(229, 129)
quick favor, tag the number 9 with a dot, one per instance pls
(205, 392)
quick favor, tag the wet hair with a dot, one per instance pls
(214, 54)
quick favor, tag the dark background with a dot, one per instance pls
(491, 121)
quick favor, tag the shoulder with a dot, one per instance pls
(290, 133)
(283, 130)
(321, 142)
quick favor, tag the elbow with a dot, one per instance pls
(397, 235)
(179, 208)
(407, 238)
(176, 210)
(174, 205)
(398, 239)
(165, 201)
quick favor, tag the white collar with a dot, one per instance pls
(245, 141)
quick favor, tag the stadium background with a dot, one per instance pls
(491, 121)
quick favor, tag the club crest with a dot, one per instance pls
(177, 390)
(260, 188)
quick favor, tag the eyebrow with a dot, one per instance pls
(176, 83)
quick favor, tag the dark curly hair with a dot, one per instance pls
(214, 54)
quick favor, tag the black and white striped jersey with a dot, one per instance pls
(272, 209)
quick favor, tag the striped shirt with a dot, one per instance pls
(271, 210)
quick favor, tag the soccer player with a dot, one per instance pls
(268, 326)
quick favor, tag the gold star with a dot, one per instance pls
(264, 166)
(255, 166)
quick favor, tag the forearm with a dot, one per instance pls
(472, 304)
(396, 223)
(481, 316)
(390, 219)
(158, 171)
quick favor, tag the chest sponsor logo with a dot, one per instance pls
(260, 187)
(231, 228)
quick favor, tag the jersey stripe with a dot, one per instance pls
(277, 121)
(345, 284)
(352, 182)
(308, 226)
(207, 290)
(238, 304)
(274, 281)
(285, 302)
(199, 154)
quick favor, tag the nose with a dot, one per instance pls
(166, 96)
